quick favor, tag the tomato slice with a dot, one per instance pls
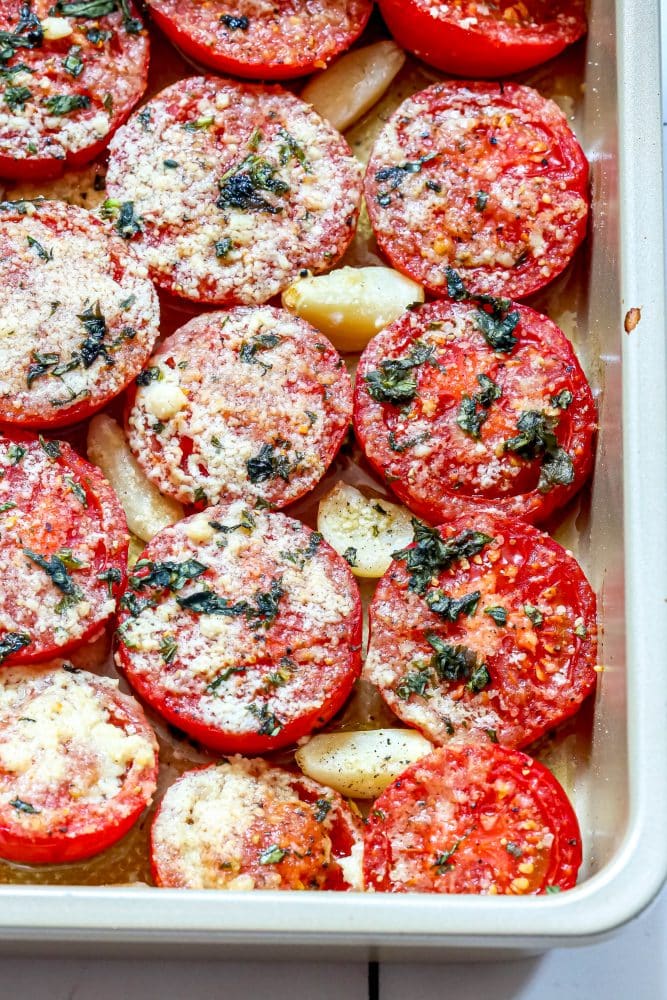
(271, 435)
(82, 314)
(476, 405)
(241, 824)
(487, 179)
(69, 82)
(78, 764)
(63, 549)
(237, 188)
(474, 819)
(485, 629)
(262, 41)
(485, 39)
(241, 628)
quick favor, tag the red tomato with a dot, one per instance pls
(84, 316)
(238, 188)
(474, 819)
(270, 42)
(79, 764)
(241, 824)
(485, 40)
(241, 628)
(284, 414)
(63, 549)
(467, 405)
(65, 97)
(485, 629)
(485, 178)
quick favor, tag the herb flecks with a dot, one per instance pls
(473, 410)
(536, 438)
(56, 568)
(393, 177)
(13, 642)
(431, 553)
(166, 575)
(395, 380)
(269, 463)
(240, 186)
(451, 608)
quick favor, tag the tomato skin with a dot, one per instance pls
(466, 139)
(84, 830)
(121, 59)
(322, 661)
(340, 826)
(540, 660)
(105, 512)
(488, 50)
(175, 19)
(443, 483)
(453, 805)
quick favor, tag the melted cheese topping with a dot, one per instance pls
(283, 33)
(112, 78)
(226, 672)
(58, 265)
(30, 601)
(231, 384)
(298, 212)
(201, 833)
(64, 743)
(458, 143)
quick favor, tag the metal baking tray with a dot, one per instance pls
(619, 533)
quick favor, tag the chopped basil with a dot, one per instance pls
(149, 375)
(394, 176)
(39, 249)
(270, 726)
(479, 679)
(498, 326)
(536, 438)
(481, 200)
(7, 505)
(207, 602)
(580, 631)
(269, 464)
(562, 399)
(24, 807)
(50, 448)
(73, 63)
(300, 556)
(350, 556)
(513, 849)
(291, 150)
(443, 862)
(262, 342)
(111, 577)
(395, 381)
(223, 247)
(56, 569)
(431, 553)
(15, 453)
(92, 347)
(240, 186)
(144, 115)
(260, 614)
(451, 663)
(100, 8)
(451, 608)
(17, 97)
(166, 575)
(322, 809)
(493, 736)
(199, 124)
(235, 23)
(168, 648)
(409, 442)
(28, 34)
(473, 409)
(135, 605)
(78, 490)
(498, 614)
(552, 889)
(65, 104)
(12, 642)
(456, 289)
(217, 683)
(127, 224)
(415, 682)
(534, 615)
(272, 855)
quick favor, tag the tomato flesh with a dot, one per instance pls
(514, 658)
(255, 650)
(59, 509)
(465, 434)
(475, 819)
(485, 40)
(283, 41)
(65, 96)
(487, 179)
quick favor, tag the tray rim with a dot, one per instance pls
(629, 882)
